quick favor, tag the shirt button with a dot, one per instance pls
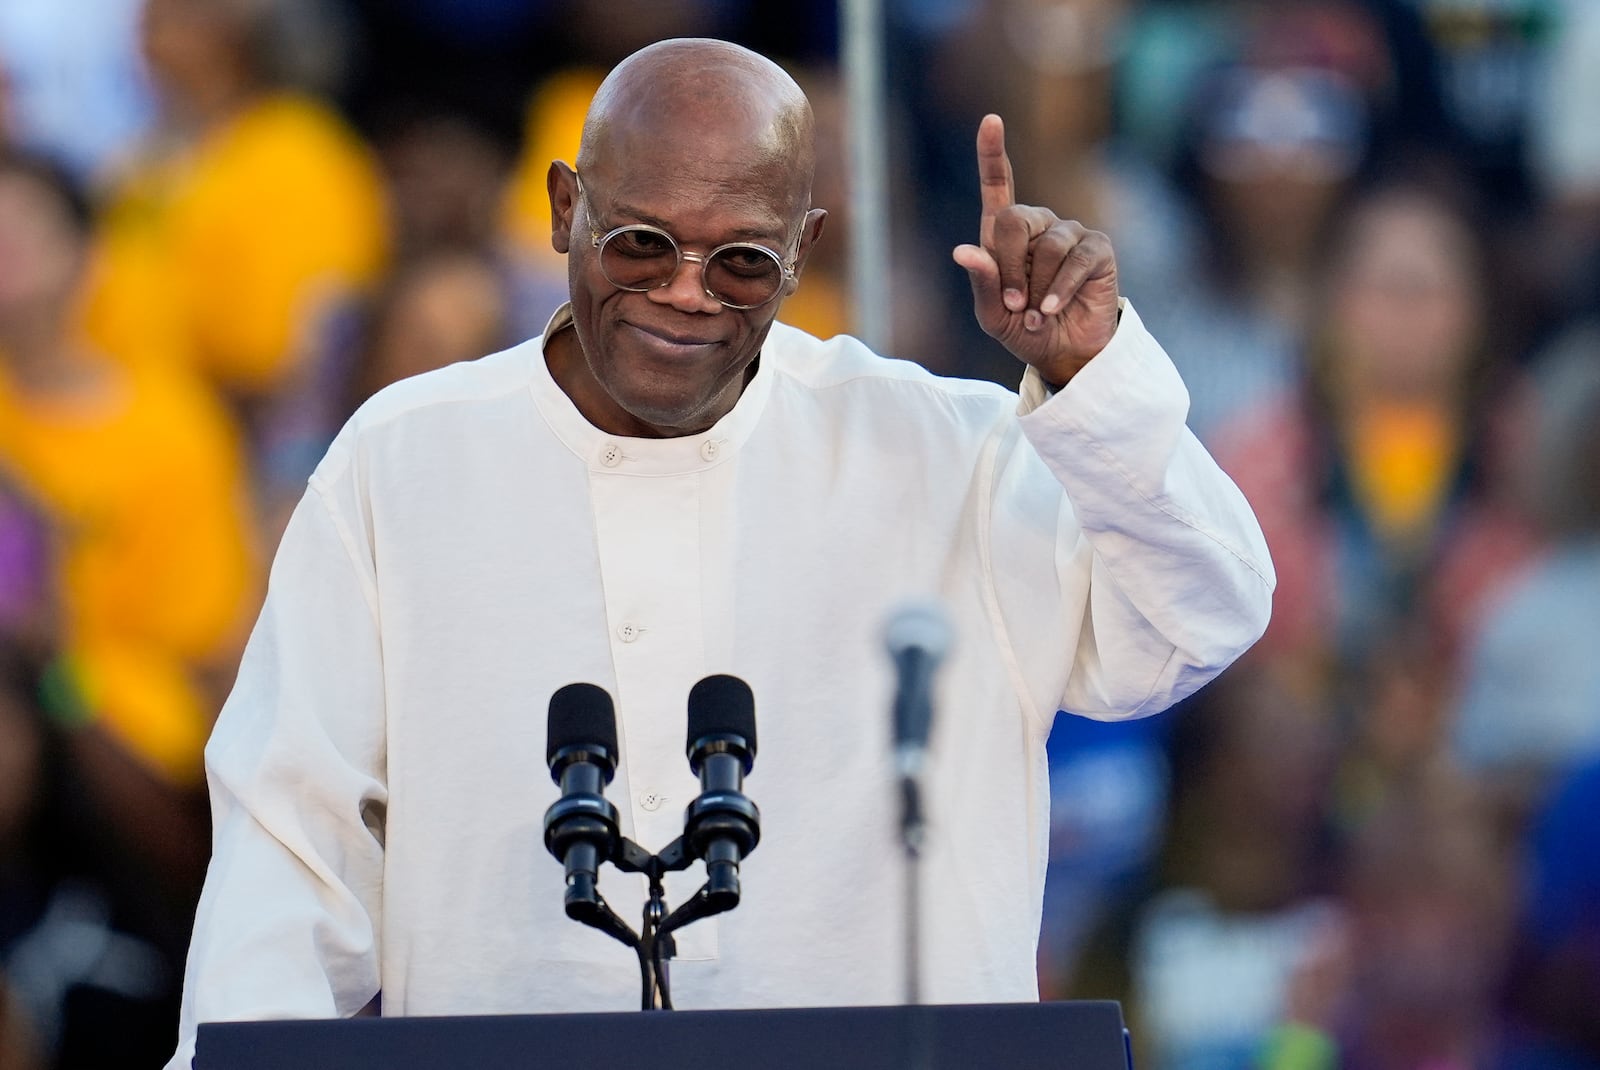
(628, 631)
(651, 801)
(611, 455)
(710, 448)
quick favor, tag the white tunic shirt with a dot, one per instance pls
(471, 544)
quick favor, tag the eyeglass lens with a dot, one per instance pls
(639, 258)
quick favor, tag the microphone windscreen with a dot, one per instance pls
(920, 626)
(722, 705)
(581, 714)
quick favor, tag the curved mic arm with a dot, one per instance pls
(597, 914)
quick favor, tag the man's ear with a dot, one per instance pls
(562, 182)
(810, 231)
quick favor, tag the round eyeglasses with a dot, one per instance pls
(640, 257)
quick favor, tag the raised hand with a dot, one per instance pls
(1042, 286)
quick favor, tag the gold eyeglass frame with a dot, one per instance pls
(598, 241)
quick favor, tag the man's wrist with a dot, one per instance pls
(1052, 387)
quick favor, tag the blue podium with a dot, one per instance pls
(1080, 1035)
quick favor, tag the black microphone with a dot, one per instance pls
(580, 828)
(917, 637)
(722, 825)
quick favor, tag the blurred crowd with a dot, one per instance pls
(1367, 231)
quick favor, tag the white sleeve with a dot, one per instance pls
(1161, 568)
(288, 921)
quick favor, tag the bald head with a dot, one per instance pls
(679, 94)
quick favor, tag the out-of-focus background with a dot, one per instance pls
(1368, 232)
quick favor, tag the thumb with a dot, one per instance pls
(984, 275)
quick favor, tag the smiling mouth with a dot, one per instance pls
(670, 344)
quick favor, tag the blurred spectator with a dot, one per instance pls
(1108, 798)
(475, 21)
(1274, 151)
(142, 477)
(1395, 716)
(1380, 46)
(1299, 98)
(20, 787)
(79, 91)
(1565, 145)
(1491, 57)
(552, 127)
(1531, 706)
(440, 308)
(252, 210)
(18, 1050)
(8, 119)
(447, 178)
(1378, 484)
(1244, 892)
(1564, 155)
(480, 57)
(91, 924)
(1428, 894)
(29, 618)
(1554, 986)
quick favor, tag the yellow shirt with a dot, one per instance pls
(222, 255)
(157, 574)
(553, 126)
(1403, 459)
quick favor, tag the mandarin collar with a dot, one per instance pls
(622, 455)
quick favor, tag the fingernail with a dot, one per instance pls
(1032, 320)
(1049, 305)
(1015, 300)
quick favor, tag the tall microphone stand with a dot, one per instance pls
(917, 637)
(913, 833)
(913, 836)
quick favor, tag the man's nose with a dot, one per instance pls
(686, 290)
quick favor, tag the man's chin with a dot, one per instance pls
(664, 416)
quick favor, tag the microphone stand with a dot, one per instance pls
(913, 832)
(653, 943)
(913, 837)
(721, 826)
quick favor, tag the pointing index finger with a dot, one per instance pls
(994, 175)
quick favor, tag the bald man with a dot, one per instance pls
(668, 484)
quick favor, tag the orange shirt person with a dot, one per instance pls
(256, 208)
(141, 473)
